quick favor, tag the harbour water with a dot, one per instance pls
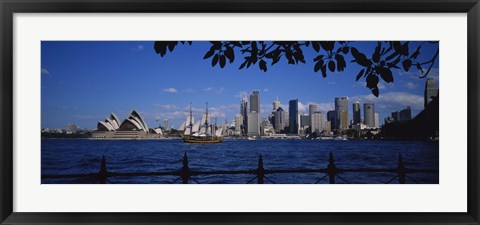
(74, 156)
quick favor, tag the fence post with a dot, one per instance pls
(102, 174)
(260, 170)
(185, 172)
(331, 168)
(401, 170)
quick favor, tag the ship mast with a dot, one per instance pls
(206, 117)
(191, 116)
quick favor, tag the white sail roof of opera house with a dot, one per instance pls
(133, 121)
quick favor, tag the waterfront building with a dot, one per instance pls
(376, 120)
(405, 114)
(280, 120)
(276, 104)
(253, 127)
(331, 119)
(356, 113)
(369, 114)
(341, 113)
(318, 122)
(293, 116)
(255, 102)
(431, 91)
(71, 128)
(133, 127)
(312, 108)
(238, 123)
(305, 120)
(243, 112)
(165, 124)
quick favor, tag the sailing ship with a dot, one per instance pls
(201, 131)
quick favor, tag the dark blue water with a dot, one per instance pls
(73, 156)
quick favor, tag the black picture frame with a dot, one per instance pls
(9, 7)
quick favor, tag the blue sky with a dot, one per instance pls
(83, 81)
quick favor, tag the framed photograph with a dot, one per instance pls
(239, 112)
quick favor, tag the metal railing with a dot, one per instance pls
(186, 174)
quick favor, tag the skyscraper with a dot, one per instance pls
(377, 120)
(276, 104)
(405, 114)
(255, 102)
(165, 124)
(331, 119)
(369, 114)
(312, 108)
(341, 113)
(253, 126)
(431, 90)
(280, 122)
(317, 121)
(238, 123)
(243, 112)
(293, 116)
(356, 113)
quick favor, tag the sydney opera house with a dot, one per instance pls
(133, 127)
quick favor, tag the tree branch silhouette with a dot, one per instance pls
(330, 56)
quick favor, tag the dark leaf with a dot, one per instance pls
(327, 45)
(401, 49)
(331, 65)
(385, 73)
(390, 57)
(376, 54)
(360, 58)
(360, 74)
(375, 91)
(318, 66)
(316, 46)
(171, 45)
(372, 81)
(324, 70)
(345, 50)
(216, 45)
(160, 48)
(230, 54)
(341, 64)
(243, 65)
(209, 54)
(407, 64)
(215, 60)
(275, 60)
(263, 65)
(318, 58)
(222, 61)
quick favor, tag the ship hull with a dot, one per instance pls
(205, 140)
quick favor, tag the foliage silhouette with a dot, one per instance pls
(331, 56)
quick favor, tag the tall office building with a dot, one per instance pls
(431, 90)
(293, 116)
(331, 119)
(312, 108)
(369, 114)
(317, 121)
(253, 127)
(165, 124)
(280, 120)
(276, 105)
(243, 112)
(341, 113)
(304, 120)
(356, 113)
(255, 102)
(238, 123)
(377, 120)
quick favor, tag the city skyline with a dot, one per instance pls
(84, 81)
